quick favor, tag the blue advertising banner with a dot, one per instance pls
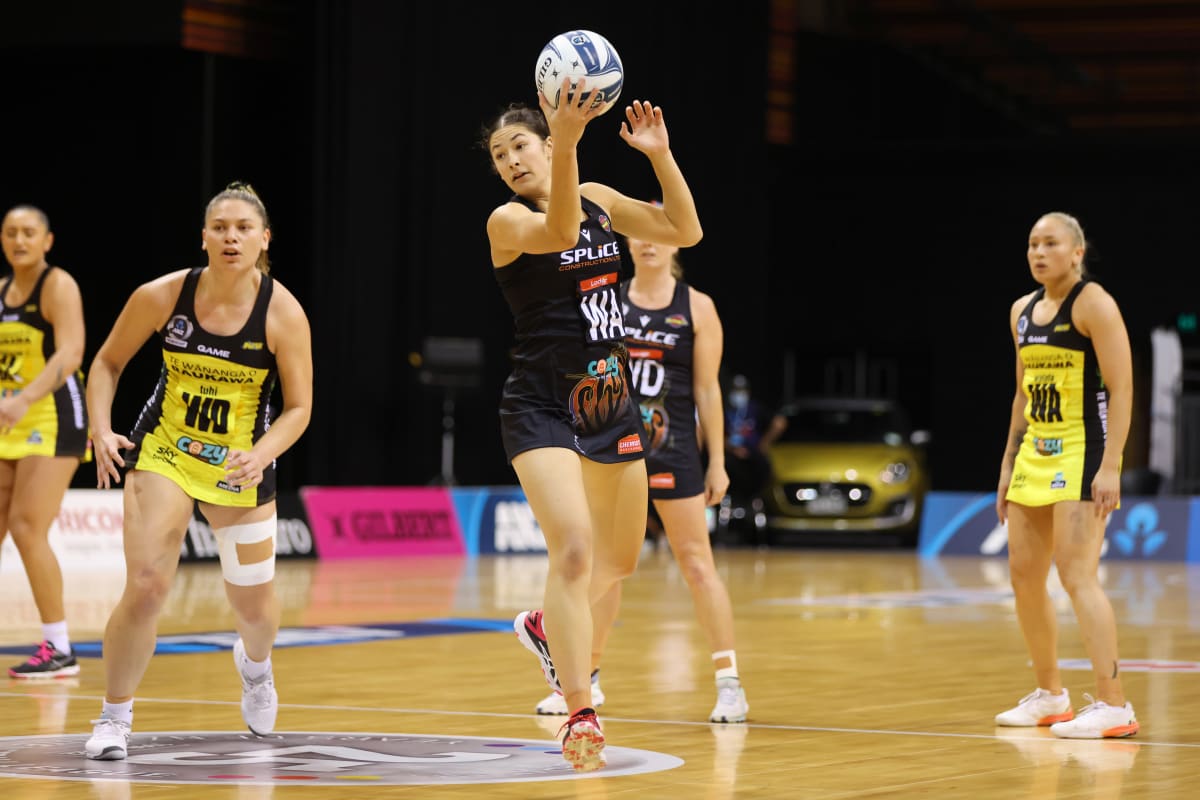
(497, 519)
(1142, 529)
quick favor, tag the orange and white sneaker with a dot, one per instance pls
(1038, 708)
(583, 743)
(1098, 720)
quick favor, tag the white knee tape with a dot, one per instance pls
(228, 539)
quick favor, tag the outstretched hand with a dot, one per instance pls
(575, 110)
(644, 129)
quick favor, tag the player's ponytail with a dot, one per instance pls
(1072, 224)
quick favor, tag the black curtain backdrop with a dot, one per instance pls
(403, 190)
(887, 240)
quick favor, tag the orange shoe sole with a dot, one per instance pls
(1120, 731)
(1053, 718)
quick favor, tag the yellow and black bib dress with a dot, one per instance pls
(212, 397)
(57, 424)
(1066, 412)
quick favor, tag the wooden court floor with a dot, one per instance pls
(870, 675)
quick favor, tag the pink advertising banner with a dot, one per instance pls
(362, 522)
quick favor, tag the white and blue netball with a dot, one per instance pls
(580, 54)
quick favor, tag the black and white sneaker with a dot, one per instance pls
(47, 662)
(110, 740)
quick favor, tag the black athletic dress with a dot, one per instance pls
(660, 343)
(570, 381)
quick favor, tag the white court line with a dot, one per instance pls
(691, 723)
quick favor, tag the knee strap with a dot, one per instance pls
(232, 568)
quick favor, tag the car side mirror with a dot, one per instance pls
(920, 438)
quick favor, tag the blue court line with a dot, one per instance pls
(216, 641)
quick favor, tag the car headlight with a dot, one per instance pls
(896, 472)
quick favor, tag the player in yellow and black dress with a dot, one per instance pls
(213, 397)
(207, 435)
(1060, 477)
(43, 420)
(1066, 408)
(568, 423)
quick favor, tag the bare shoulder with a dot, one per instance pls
(1019, 305)
(604, 196)
(1093, 296)
(161, 291)
(505, 216)
(704, 313)
(507, 210)
(284, 305)
(1095, 308)
(61, 298)
(60, 279)
(701, 302)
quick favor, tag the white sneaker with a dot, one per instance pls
(731, 702)
(260, 702)
(556, 705)
(110, 740)
(1098, 720)
(1039, 707)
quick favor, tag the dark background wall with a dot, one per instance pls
(885, 238)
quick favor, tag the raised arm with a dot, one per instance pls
(676, 222)
(513, 228)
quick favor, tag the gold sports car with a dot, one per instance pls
(847, 464)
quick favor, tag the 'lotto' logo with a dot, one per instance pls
(588, 284)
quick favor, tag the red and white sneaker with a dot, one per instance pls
(528, 627)
(583, 743)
